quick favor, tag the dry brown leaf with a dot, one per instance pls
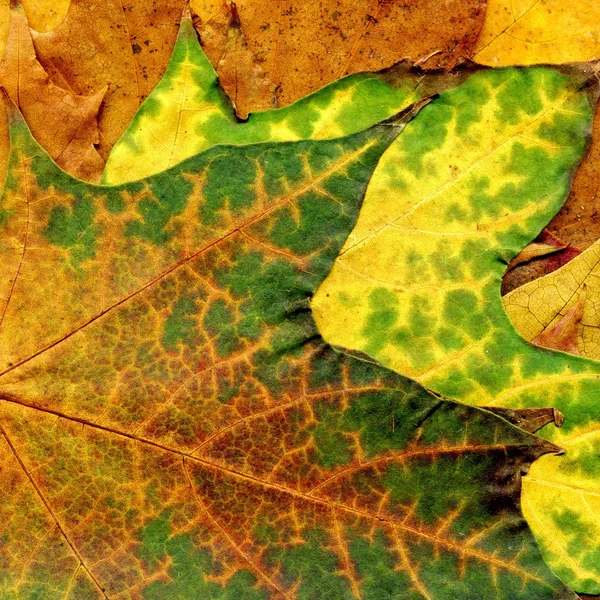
(240, 73)
(64, 123)
(578, 222)
(529, 419)
(534, 250)
(123, 45)
(303, 46)
(544, 255)
(4, 24)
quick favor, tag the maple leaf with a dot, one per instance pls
(174, 426)
(188, 113)
(470, 182)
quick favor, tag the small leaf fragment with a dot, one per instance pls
(529, 419)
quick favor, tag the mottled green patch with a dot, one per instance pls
(230, 187)
(427, 133)
(313, 221)
(169, 195)
(457, 476)
(73, 227)
(219, 322)
(376, 565)
(181, 325)
(113, 201)
(581, 546)
(332, 447)
(312, 568)
(464, 310)
(189, 567)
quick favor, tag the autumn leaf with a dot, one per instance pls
(539, 32)
(64, 123)
(302, 46)
(122, 45)
(187, 112)
(544, 255)
(174, 426)
(469, 183)
(541, 305)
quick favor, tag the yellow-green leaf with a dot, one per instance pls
(471, 181)
(187, 113)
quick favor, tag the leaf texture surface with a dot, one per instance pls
(174, 426)
(472, 180)
(188, 113)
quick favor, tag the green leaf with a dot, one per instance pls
(471, 181)
(187, 112)
(173, 426)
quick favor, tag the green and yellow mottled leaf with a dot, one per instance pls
(174, 427)
(187, 113)
(470, 182)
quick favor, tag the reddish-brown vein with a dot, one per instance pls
(417, 452)
(246, 223)
(231, 541)
(51, 512)
(307, 497)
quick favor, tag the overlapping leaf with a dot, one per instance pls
(173, 425)
(473, 179)
(63, 122)
(289, 49)
(542, 304)
(121, 45)
(188, 113)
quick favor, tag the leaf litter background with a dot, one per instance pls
(173, 423)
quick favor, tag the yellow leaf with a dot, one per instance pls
(539, 31)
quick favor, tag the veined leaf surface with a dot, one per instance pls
(173, 425)
(187, 113)
(471, 181)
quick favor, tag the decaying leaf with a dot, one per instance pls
(122, 45)
(552, 253)
(470, 182)
(64, 123)
(578, 222)
(570, 294)
(538, 32)
(187, 113)
(303, 46)
(529, 419)
(173, 425)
